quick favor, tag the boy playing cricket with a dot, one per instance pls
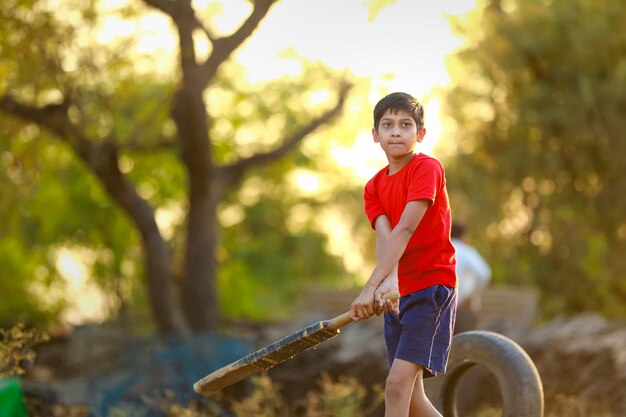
(407, 205)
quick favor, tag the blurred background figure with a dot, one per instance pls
(473, 275)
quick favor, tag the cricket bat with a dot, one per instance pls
(280, 351)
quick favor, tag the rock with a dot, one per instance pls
(583, 357)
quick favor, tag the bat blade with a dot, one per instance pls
(266, 357)
(287, 347)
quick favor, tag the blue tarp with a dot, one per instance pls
(152, 367)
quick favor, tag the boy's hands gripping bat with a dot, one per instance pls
(286, 348)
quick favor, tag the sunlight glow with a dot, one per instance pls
(402, 49)
(298, 217)
(156, 34)
(341, 242)
(168, 218)
(306, 181)
(231, 215)
(364, 158)
(87, 302)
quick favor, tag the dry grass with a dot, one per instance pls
(346, 397)
(342, 397)
(560, 406)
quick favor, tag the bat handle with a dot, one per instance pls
(345, 318)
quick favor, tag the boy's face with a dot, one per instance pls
(398, 134)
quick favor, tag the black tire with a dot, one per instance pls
(514, 371)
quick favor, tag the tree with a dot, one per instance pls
(539, 113)
(78, 93)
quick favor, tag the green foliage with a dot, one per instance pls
(52, 202)
(24, 282)
(375, 7)
(50, 199)
(538, 109)
(58, 205)
(265, 264)
(272, 241)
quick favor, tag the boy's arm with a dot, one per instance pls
(399, 237)
(383, 230)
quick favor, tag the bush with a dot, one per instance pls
(16, 349)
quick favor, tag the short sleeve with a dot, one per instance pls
(373, 207)
(425, 181)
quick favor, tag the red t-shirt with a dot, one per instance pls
(429, 256)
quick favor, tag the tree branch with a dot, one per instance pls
(169, 7)
(52, 117)
(234, 172)
(101, 157)
(159, 141)
(224, 47)
(186, 22)
(165, 144)
(174, 10)
(206, 30)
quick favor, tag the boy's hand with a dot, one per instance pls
(363, 306)
(389, 284)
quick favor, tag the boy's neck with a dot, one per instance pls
(396, 164)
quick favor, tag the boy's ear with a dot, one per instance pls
(420, 134)
(375, 135)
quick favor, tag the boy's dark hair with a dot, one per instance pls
(395, 102)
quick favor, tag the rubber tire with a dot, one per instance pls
(514, 371)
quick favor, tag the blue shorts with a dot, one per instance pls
(422, 332)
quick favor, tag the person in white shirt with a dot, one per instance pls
(473, 275)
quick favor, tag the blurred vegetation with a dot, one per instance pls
(537, 104)
(536, 113)
(272, 238)
(16, 349)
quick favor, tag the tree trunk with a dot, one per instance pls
(165, 307)
(198, 286)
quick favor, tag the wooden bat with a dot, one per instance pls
(286, 348)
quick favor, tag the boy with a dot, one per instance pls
(407, 205)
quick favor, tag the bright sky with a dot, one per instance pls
(407, 40)
(402, 49)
